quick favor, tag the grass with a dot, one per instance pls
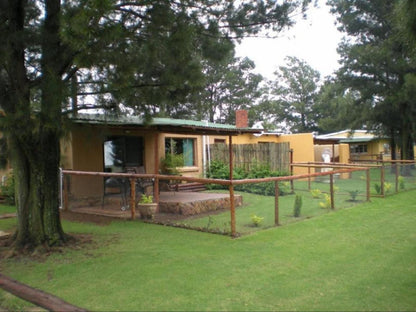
(361, 258)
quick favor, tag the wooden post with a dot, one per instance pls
(232, 209)
(367, 171)
(231, 187)
(292, 187)
(276, 203)
(382, 179)
(36, 296)
(309, 179)
(230, 155)
(397, 176)
(133, 198)
(331, 190)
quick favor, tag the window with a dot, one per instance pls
(122, 152)
(184, 147)
(358, 148)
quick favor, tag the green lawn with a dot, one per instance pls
(355, 259)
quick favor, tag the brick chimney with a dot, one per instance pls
(241, 118)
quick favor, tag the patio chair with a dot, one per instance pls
(142, 184)
(118, 186)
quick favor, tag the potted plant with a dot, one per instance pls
(169, 165)
(146, 207)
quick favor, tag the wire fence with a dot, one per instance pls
(232, 207)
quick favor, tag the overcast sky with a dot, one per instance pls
(314, 40)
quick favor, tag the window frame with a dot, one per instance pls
(176, 139)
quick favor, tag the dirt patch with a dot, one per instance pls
(41, 253)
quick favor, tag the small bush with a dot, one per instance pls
(353, 195)
(327, 203)
(297, 206)
(316, 193)
(377, 187)
(400, 179)
(256, 220)
(220, 170)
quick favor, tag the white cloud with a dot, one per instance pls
(314, 40)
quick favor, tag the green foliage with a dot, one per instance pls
(220, 170)
(353, 194)
(387, 187)
(146, 199)
(8, 188)
(170, 163)
(375, 68)
(400, 179)
(377, 188)
(294, 90)
(297, 206)
(256, 219)
(327, 203)
(316, 193)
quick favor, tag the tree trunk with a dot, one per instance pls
(33, 137)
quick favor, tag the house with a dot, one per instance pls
(354, 145)
(102, 143)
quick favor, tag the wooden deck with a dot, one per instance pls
(171, 203)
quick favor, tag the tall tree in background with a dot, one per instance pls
(142, 54)
(334, 108)
(379, 65)
(293, 95)
(230, 85)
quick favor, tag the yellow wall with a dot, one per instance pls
(374, 149)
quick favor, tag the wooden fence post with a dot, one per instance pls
(276, 203)
(292, 187)
(232, 210)
(309, 179)
(397, 176)
(133, 198)
(368, 184)
(331, 190)
(382, 179)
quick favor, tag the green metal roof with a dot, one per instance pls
(162, 124)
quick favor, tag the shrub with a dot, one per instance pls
(327, 203)
(220, 170)
(316, 193)
(353, 194)
(400, 179)
(387, 187)
(377, 188)
(256, 219)
(297, 206)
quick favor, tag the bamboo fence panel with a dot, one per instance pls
(276, 155)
